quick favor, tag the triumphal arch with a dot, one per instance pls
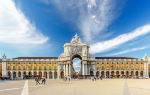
(77, 49)
(58, 67)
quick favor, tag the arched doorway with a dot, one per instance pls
(112, 74)
(127, 74)
(97, 74)
(102, 74)
(76, 66)
(35, 74)
(40, 74)
(45, 74)
(117, 74)
(136, 74)
(122, 74)
(19, 74)
(107, 74)
(141, 73)
(50, 75)
(132, 74)
(24, 75)
(55, 75)
(9, 74)
(14, 75)
(29, 74)
(62, 74)
(91, 72)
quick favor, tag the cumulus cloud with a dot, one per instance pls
(15, 28)
(110, 44)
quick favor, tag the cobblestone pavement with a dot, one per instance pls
(77, 87)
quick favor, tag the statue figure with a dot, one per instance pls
(75, 39)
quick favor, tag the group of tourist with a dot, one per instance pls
(95, 78)
(38, 79)
(67, 78)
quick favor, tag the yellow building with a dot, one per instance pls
(58, 67)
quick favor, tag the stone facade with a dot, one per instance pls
(58, 67)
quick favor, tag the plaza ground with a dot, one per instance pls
(77, 87)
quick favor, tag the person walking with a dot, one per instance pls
(43, 81)
(65, 78)
(37, 81)
(101, 77)
(69, 78)
(95, 78)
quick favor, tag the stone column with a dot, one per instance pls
(95, 70)
(12, 75)
(58, 72)
(47, 74)
(120, 73)
(31, 72)
(27, 73)
(16, 74)
(99, 73)
(146, 69)
(104, 74)
(66, 69)
(83, 68)
(21, 75)
(68, 65)
(52, 74)
(4, 70)
(69, 70)
(42, 73)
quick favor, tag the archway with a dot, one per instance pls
(122, 74)
(112, 74)
(50, 75)
(35, 74)
(136, 74)
(76, 66)
(117, 74)
(141, 73)
(102, 74)
(19, 74)
(62, 74)
(24, 74)
(40, 74)
(97, 74)
(9, 74)
(55, 75)
(91, 72)
(45, 74)
(127, 74)
(29, 74)
(132, 74)
(14, 75)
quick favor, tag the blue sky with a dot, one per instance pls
(41, 27)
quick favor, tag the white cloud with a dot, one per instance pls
(77, 64)
(131, 50)
(15, 28)
(97, 17)
(110, 44)
(92, 17)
